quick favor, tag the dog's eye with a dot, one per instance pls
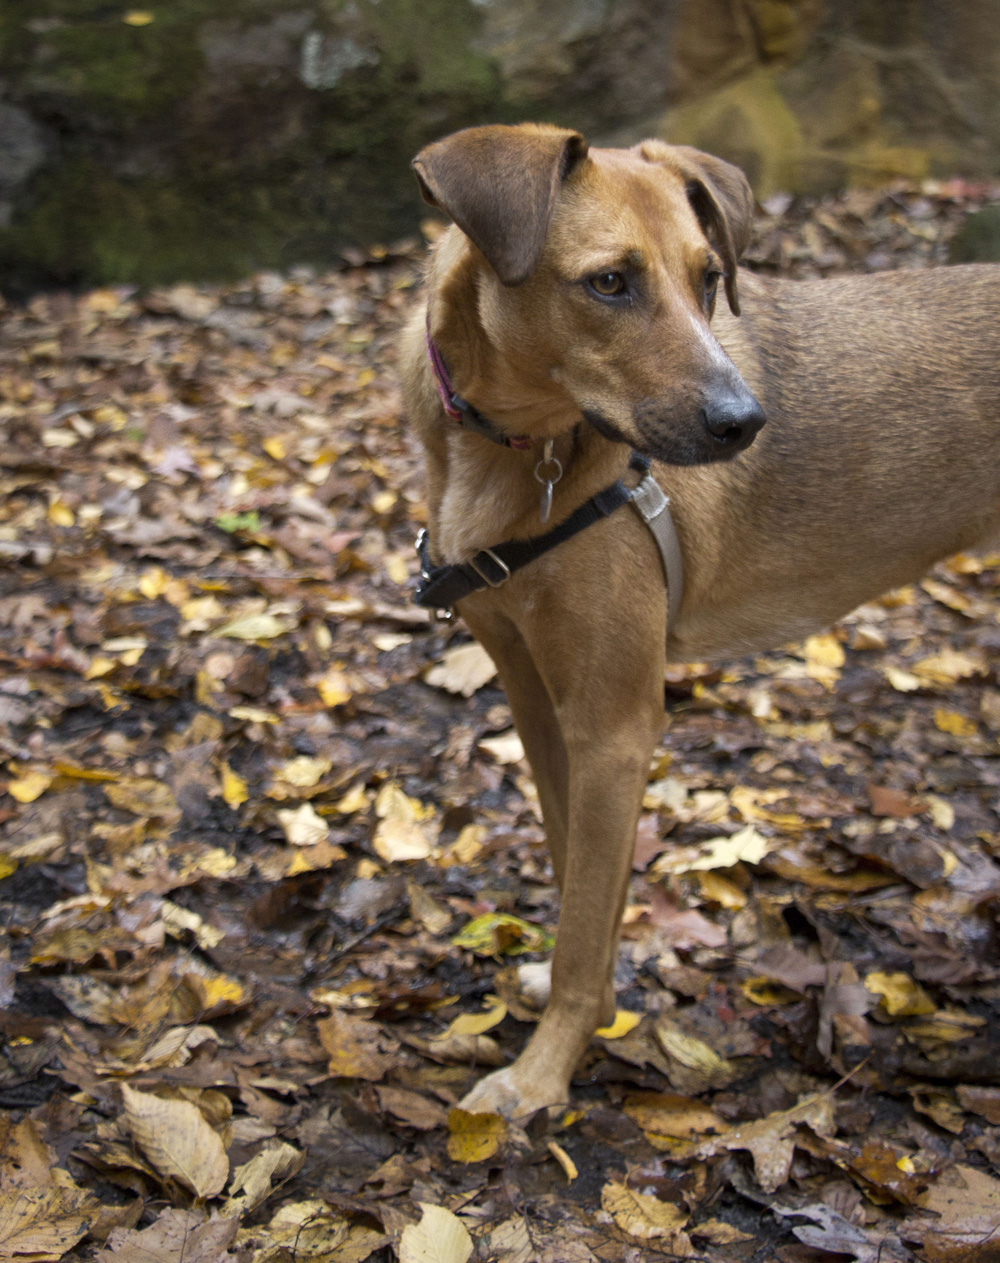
(712, 278)
(608, 284)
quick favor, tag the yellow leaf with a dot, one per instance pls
(764, 991)
(60, 514)
(624, 1022)
(356, 799)
(30, 786)
(138, 17)
(383, 501)
(304, 772)
(7, 866)
(942, 813)
(824, 651)
(478, 1023)
(902, 681)
(747, 846)
(468, 844)
(900, 995)
(948, 666)
(303, 826)
(234, 787)
(334, 688)
(254, 627)
(689, 1051)
(154, 582)
(714, 888)
(502, 933)
(218, 992)
(110, 415)
(955, 723)
(397, 569)
(640, 1214)
(275, 447)
(946, 595)
(177, 1140)
(474, 1137)
(666, 1114)
(440, 1237)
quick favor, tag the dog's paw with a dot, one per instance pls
(504, 1092)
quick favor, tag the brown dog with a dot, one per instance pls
(574, 301)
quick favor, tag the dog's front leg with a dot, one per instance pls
(608, 697)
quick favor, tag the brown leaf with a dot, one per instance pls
(177, 1140)
(188, 1235)
(359, 1049)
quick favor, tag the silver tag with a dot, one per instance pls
(546, 507)
(550, 463)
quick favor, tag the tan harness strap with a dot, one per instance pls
(653, 506)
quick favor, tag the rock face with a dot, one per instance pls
(203, 138)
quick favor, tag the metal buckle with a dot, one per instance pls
(488, 552)
(419, 545)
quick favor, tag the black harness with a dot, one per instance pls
(441, 587)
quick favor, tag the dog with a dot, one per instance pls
(574, 316)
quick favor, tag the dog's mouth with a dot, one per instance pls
(719, 434)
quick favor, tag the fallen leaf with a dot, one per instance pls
(463, 669)
(439, 1237)
(746, 846)
(474, 1137)
(303, 826)
(506, 747)
(503, 934)
(954, 723)
(640, 1214)
(358, 1048)
(412, 1108)
(625, 1021)
(900, 995)
(478, 1023)
(234, 787)
(663, 1114)
(406, 829)
(30, 786)
(177, 1140)
(254, 627)
(771, 1140)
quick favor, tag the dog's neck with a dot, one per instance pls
(486, 493)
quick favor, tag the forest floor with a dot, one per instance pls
(268, 873)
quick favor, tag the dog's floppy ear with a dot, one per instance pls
(499, 185)
(719, 195)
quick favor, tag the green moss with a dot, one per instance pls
(978, 240)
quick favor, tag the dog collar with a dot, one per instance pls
(461, 410)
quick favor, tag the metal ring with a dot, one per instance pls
(551, 461)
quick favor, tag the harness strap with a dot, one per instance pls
(653, 505)
(442, 587)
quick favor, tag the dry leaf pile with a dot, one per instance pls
(274, 887)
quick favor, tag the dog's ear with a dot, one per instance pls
(721, 198)
(499, 185)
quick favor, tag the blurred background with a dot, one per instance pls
(204, 139)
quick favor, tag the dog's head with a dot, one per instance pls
(598, 273)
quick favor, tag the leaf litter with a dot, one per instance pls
(269, 848)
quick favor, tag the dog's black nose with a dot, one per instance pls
(733, 420)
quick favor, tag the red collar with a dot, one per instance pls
(461, 410)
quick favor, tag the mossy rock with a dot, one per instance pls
(978, 240)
